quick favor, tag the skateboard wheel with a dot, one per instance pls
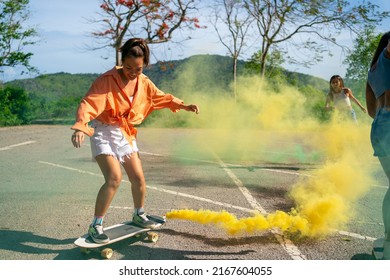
(107, 253)
(85, 251)
(152, 236)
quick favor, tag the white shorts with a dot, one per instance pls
(109, 140)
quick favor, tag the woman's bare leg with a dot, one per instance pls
(112, 173)
(133, 167)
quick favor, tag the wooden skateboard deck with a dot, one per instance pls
(117, 233)
(377, 251)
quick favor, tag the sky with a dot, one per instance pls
(65, 27)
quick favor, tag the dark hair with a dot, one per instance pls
(382, 44)
(336, 77)
(330, 84)
(136, 47)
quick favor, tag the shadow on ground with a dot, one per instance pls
(31, 244)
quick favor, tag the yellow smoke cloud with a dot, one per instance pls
(233, 225)
(244, 131)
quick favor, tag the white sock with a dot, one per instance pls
(139, 211)
(97, 220)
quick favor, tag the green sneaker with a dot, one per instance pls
(97, 234)
(143, 221)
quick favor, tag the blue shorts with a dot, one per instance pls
(109, 140)
(380, 133)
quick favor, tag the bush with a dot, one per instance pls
(15, 108)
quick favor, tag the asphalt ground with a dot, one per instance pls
(48, 190)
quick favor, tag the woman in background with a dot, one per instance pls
(341, 97)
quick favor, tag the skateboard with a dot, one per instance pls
(377, 251)
(117, 233)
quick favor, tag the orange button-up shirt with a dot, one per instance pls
(108, 102)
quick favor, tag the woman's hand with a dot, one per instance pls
(191, 108)
(347, 91)
(77, 138)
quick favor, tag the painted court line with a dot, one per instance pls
(379, 186)
(248, 196)
(70, 168)
(286, 243)
(161, 189)
(355, 235)
(186, 158)
(228, 164)
(16, 145)
(243, 166)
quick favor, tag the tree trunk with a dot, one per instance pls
(118, 61)
(235, 77)
(262, 65)
(118, 54)
(263, 59)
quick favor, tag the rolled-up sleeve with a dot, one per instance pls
(161, 100)
(91, 106)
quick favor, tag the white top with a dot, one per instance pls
(341, 100)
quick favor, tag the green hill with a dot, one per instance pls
(55, 96)
(200, 72)
(52, 87)
(206, 71)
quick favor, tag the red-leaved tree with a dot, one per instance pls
(153, 20)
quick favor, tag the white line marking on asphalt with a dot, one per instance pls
(355, 235)
(16, 145)
(161, 189)
(248, 196)
(186, 158)
(243, 166)
(202, 199)
(228, 164)
(287, 244)
(70, 168)
(379, 186)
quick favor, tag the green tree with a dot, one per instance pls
(14, 36)
(358, 60)
(359, 57)
(275, 74)
(308, 25)
(273, 63)
(65, 107)
(14, 106)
